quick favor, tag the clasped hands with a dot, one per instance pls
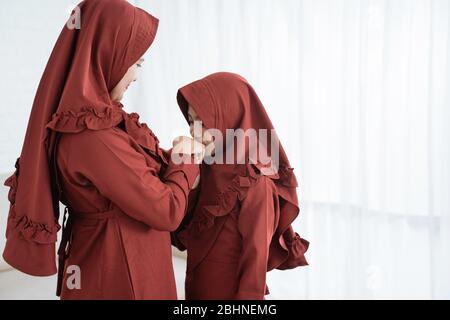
(183, 145)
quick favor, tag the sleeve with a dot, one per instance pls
(192, 201)
(256, 225)
(121, 174)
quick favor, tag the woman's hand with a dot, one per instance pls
(189, 146)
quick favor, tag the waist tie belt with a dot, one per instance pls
(66, 238)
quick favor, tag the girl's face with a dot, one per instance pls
(129, 77)
(204, 136)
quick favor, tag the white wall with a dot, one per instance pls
(359, 93)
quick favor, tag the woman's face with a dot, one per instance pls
(202, 136)
(129, 77)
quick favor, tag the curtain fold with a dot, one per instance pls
(359, 93)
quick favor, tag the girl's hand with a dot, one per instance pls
(189, 146)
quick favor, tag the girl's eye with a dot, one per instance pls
(139, 65)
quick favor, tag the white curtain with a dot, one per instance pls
(359, 93)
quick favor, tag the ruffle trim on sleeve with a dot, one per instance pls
(296, 249)
(289, 250)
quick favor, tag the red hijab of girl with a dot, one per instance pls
(227, 101)
(73, 95)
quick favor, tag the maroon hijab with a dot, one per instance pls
(227, 101)
(73, 95)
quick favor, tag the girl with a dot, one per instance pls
(122, 192)
(239, 222)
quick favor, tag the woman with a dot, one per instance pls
(239, 225)
(123, 193)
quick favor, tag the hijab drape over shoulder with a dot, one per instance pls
(73, 95)
(227, 101)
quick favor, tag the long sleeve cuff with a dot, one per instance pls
(189, 171)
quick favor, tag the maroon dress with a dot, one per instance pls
(123, 195)
(228, 249)
(239, 222)
(122, 204)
